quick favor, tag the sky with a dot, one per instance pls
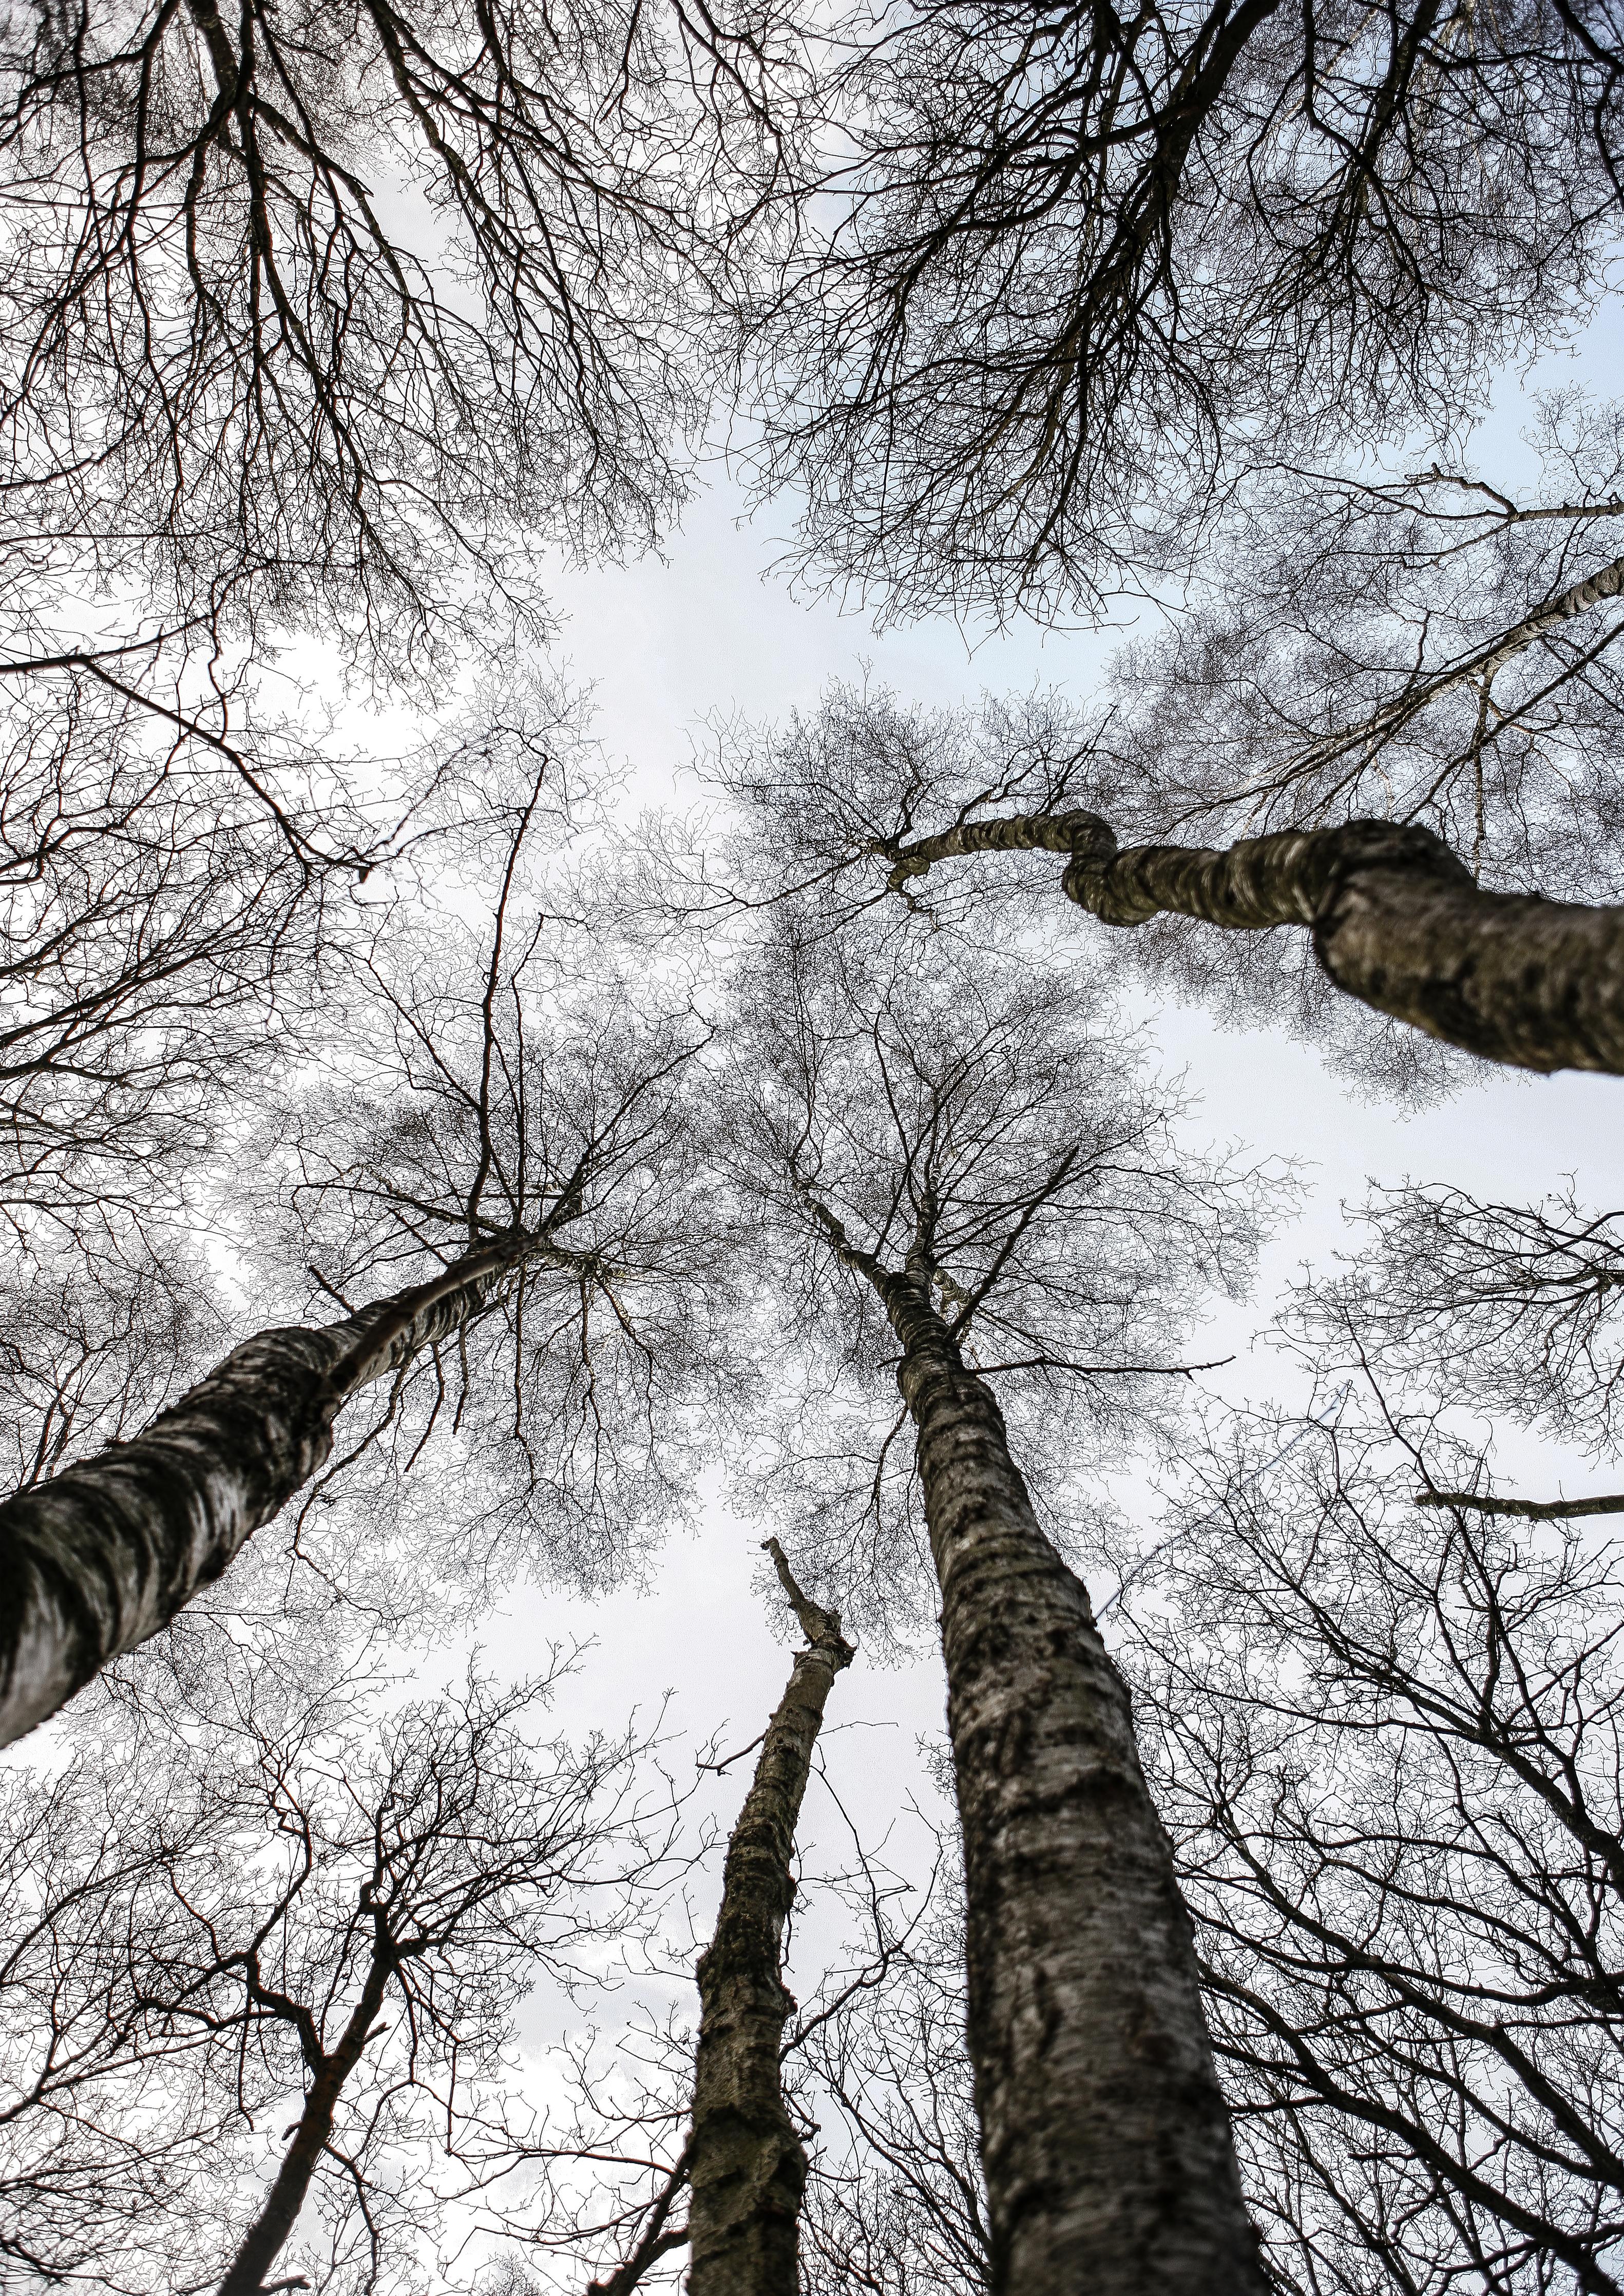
(712, 629)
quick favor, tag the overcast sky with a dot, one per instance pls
(712, 629)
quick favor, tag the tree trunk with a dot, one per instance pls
(1106, 2143)
(267, 2236)
(746, 2166)
(105, 1554)
(1397, 921)
(1530, 1510)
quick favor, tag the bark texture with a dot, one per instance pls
(105, 1555)
(747, 2166)
(1105, 2138)
(1398, 921)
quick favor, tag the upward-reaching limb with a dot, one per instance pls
(1397, 921)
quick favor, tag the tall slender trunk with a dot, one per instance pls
(105, 1554)
(747, 2168)
(1109, 2161)
(264, 2238)
(1398, 922)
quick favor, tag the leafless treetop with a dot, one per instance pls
(1072, 272)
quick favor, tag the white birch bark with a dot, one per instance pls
(1106, 2143)
(1397, 920)
(747, 2168)
(102, 1556)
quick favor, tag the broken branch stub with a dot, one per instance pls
(747, 2166)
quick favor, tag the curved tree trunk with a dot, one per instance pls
(1105, 2138)
(105, 1555)
(747, 2168)
(1397, 921)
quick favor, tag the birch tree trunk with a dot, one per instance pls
(747, 2168)
(105, 1555)
(1398, 922)
(1105, 2139)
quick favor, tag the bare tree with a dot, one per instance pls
(179, 918)
(322, 1914)
(1073, 273)
(521, 1171)
(954, 1178)
(1511, 1311)
(322, 318)
(895, 2201)
(1435, 644)
(169, 915)
(707, 2115)
(876, 2078)
(1396, 919)
(1386, 1742)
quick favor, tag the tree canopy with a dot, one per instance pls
(462, 1203)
